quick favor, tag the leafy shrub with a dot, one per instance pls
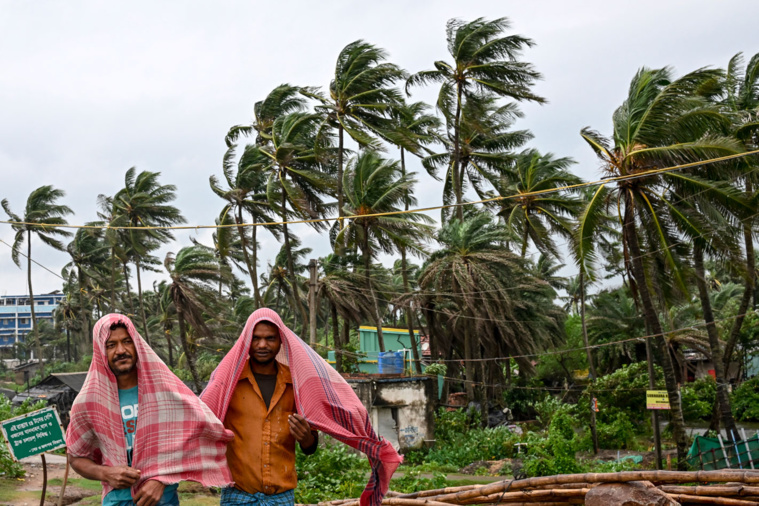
(554, 454)
(745, 401)
(619, 434)
(413, 481)
(522, 401)
(460, 440)
(436, 368)
(333, 472)
(698, 399)
(8, 467)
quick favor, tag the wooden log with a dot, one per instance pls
(712, 490)
(657, 477)
(440, 491)
(721, 501)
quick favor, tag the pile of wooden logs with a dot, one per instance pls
(724, 487)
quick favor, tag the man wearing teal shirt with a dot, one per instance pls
(122, 360)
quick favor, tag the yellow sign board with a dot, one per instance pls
(657, 399)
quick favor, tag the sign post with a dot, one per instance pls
(657, 399)
(34, 434)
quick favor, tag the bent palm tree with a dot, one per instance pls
(42, 208)
(662, 122)
(484, 62)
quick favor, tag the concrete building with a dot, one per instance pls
(16, 315)
(402, 409)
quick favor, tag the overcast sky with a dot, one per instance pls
(89, 89)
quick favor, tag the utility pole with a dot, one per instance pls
(312, 265)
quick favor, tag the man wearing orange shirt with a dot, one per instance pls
(266, 426)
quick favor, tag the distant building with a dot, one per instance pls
(58, 389)
(16, 315)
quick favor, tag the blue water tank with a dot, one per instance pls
(390, 362)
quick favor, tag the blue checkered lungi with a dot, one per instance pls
(231, 496)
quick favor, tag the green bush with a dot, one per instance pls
(745, 401)
(619, 434)
(554, 454)
(698, 399)
(413, 481)
(333, 472)
(8, 467)
(522, 400)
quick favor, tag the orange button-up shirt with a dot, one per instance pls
(262, 454)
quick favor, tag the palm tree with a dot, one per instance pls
(246, 191)
(539, 217)
(374, 185)
(88, 253)
(487, 294)
(484, 62)
(144, 202)
(281, 101)
(282, 283)
(66, 318)
(361, 98)
(42, 208)
(740, 101)
(485, 148)
(343, 291)
(193, 274)
(662, 122)
(296, 176)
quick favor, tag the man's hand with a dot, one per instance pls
(120, 476)
(301, 430)
(149, 494)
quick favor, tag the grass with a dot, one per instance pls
(76, 482)
(11, 495)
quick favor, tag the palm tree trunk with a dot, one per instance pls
(142, 306)
(340, 197)
(128, 291)
(68, 345)
(82, 307)
(251, 271)
(186, 347)
(723, 397)
(747, 291)
(336, 337)
(290, 264)
(591, 366)
(254, 275)
(409, 320)
(457, 156)
(36, 335)
(366, 254)
(113, 281)
(525, 238)
(654, 328)
(169, 345)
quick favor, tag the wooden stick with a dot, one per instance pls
(713, 490)
(722, 501)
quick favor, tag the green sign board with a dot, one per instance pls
(34, 433)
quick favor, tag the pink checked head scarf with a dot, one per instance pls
(177, 437)
(322, 396)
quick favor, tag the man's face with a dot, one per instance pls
(121, 353)
(265, 344)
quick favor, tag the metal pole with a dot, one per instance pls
(44, 479)
(312, 265)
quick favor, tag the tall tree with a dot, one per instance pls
(661, 122)
(297, 177)
(42, 208)
(360, 101)
(144, 202)
(372, 186)
(193, 274)
(484, 61)
(532, 214)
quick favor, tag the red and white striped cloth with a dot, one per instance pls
(177, 437)
(322, 396)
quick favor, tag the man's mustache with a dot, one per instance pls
(122, 356)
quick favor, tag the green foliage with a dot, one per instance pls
(436, 368)
(413, 481)
(554, 454)
(622, 392)
(333, 472)
(619, 433)
(698, 399)
(460, 440)
(8, 467)
(522, 401)
(558, 366)
(745, 401)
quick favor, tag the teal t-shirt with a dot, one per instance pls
(128, 404)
